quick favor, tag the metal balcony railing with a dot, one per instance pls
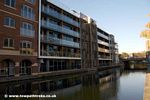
(59, 54)
(103, 50)
(54, 40)
(103, 43)
(102, 35)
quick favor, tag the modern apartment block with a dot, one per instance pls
(44, 35)
(18, 37)
(104, 55)
(59, 37)
(107, 48)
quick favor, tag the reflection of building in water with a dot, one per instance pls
(89, 90)
(108, 87)
(57, 86)
(77, 87)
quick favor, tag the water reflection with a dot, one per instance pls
(88, 86)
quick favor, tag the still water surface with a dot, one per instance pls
(128, 85)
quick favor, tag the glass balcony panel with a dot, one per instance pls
(103, 43)
(103, 50)
(102, 35)
(59, 28)
(59, 54)
(54, 40)
(57, 15)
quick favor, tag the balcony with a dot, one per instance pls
(28, 33)
(102, 57)
(54, 40)
(59, 54)
(103, 50)
(102, 35)
(58, 28)
(103, 43)
(69, 20)
(57, 15)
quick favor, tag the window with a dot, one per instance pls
(26, 44)
(8, 21)
(11, 3)
(31, 1)
(26, 48)
(27, 12)
(8, 42)
(27, 29)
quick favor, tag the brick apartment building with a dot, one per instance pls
(18, 37)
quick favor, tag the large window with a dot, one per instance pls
(27, 12)
(26, 48)
(26, 44)
(8, 42)
(11, 3)
(27, 29)
(8, 21)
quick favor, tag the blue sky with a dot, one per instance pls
(123, 18)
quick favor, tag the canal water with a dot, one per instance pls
(126, 85)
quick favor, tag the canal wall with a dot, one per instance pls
(102, 69)
(147, 88)
(45, 74)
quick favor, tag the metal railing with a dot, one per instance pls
(54, 40)
(103, 50)
(59, 54)
(102, 35)
(103, 43)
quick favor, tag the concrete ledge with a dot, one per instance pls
(102, 68)
(54, 74)
(44, 74)
(147, 88)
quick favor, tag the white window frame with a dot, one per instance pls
(26, 43)
(9, 19)
(27, 12)
(8, 45)
(10, 2)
